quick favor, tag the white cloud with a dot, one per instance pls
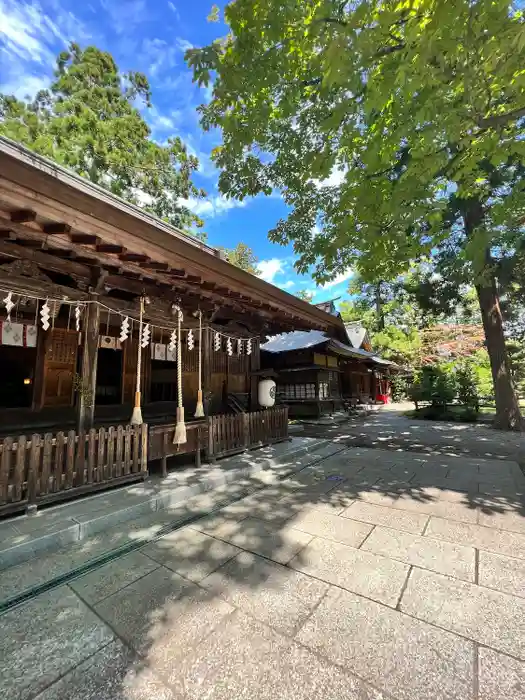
(28, 34)
(162, 122)
(125, 17)
(161, 58)
(211, 206)
(183, 44)
(287, 285)
(21, 31)
(335, 178)
(26, 86)
(338, 279)
(173, 8)
(269, 269)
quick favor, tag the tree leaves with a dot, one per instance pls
(324, 82)
(88, 121)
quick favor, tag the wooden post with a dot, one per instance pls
(211, 441)
(207, 349)
(164, 458)
(198, 452)
(254, 366)
(246, 430)
(88, 371)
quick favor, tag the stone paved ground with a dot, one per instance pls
(372, 575)
(387, 427)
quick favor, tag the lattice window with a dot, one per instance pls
(297, 391)
(63, 348)
(219, 362)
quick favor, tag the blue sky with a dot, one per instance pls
(152, 37)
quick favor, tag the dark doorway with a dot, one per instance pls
(17, 371)
(163, 381)
(109, 377)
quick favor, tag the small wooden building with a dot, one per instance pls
(95, 297)
(319, 374)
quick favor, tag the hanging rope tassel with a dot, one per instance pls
(179, 438)
(136, 416)
(199, 410)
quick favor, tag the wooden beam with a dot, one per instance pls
(56, 228)
(39, 288)
(134, 257)
(45, 260)
(152, 265)
(84, 238)
(29, 243)
(110, 248)
(21, 216)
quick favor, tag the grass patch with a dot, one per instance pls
(455, 414)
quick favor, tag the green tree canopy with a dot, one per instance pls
(305, 295)
(242, 256)
(89, 122)
(391, 126)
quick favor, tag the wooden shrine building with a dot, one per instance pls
(91, 289)
(319, 374)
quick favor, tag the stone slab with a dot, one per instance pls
(264, 507)
(111, 577)
(190, 553)
(47, 566)
(277, 543)
(499, 541)
(436, 555)
(161, 611)
(44, 639)
(331, 527)
(113, 673)
(18, 547)
(245, 659)
(464, 511)
(334, 502)
(368, 574)
(507, 519)
(478, 613)
(505, 574)
(389, 517)
(271, 593)
(92, 523)
(406, 658)
(500, 676)
(309, 484)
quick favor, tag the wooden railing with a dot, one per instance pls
(41, 469)
(231, 434)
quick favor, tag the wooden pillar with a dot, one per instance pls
(254, 366)
(207, 349)
(88, 367)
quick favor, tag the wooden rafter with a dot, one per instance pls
(55, 229)
(99, 242)
(23, 215)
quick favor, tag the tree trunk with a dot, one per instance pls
(508, 415)
(379, 308)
